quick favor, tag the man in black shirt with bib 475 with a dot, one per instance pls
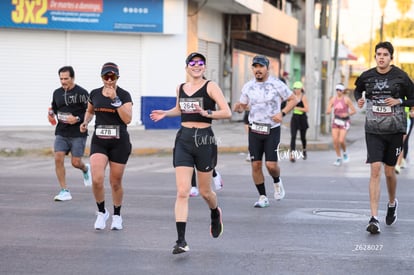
(386, 90)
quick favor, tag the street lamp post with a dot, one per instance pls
(382, 4)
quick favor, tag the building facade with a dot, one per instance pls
(148, 39)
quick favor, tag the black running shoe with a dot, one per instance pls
(180, 247)
(216, 227)
(391, 217)
(373, 226)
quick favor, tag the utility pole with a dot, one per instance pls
(383, 4)
(312, 87)
(325, 45)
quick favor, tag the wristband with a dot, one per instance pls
(401, 101)
(78, 119)
(209, 112)
(283, 113)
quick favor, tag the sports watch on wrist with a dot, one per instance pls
(116, 102)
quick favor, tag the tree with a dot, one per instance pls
(403, 6)
(402, 28)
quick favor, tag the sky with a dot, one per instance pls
(360, 18)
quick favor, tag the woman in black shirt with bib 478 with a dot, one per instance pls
(195, 144)
(110, 143)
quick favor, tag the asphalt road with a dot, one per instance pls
(319, 228)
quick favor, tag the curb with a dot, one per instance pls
(48, 151)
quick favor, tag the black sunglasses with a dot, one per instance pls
(108, 77)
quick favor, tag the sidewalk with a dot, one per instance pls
(231, 138)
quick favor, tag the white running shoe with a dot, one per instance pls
(87, 176)
(218, 181)
(262, 202)
(101, 219)
(279, 190)
(337, 162)
(64, 195)
(397, 169)
(403, 163)
(116, 222)
(248, 157)
(194, 192)
(345, 158)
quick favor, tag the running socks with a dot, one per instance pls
(214, 213)
(261, 189)
(117, 210)
(276, 179)
(180, 230)
(101, 206)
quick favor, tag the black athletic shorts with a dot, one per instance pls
(117, 150)
(260, 144)
(383, 148)
(195, 147)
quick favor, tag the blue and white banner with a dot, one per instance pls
(84, 15)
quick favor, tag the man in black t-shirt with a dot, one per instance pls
(386, 90)
(69, 105)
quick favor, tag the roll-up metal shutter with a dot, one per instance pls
(31, 59)
(212, 52)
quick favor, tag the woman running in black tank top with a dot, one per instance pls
(195, 144)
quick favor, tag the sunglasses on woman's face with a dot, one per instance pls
(111, 77)
(192, 63)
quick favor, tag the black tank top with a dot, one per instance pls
(187, 103)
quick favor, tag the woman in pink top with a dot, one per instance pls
(343, 108)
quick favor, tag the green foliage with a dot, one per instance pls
(402, 28)
(409, 69)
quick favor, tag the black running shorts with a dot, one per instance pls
(260, 144)
(195, 147)
(117, 150)
(384, 148)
